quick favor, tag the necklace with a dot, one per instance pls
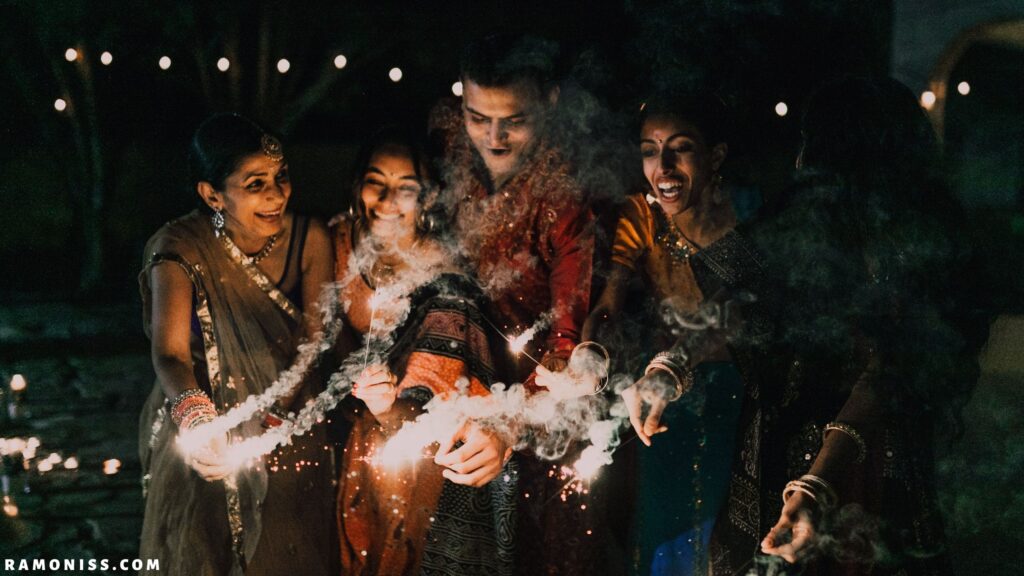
(668, 234)
(267, 247)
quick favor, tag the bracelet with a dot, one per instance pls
(814, 487)
(191, 408)
(676, 367)
(607, 362)
(862, 446)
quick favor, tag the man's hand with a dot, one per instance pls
(478, 461)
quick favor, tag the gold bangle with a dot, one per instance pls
(862, 446)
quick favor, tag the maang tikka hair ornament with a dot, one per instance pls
(272, 148)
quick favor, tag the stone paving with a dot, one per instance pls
(88, 372)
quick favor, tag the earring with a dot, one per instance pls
(218, 220)
(716, 182)
(429, 221)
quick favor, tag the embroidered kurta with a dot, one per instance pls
(530, 242)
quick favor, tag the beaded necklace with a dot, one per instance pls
(668, 234)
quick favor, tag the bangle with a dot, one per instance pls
(813, 486)
(676, 367)
(191, 408)
(607, 362)
(862, 446)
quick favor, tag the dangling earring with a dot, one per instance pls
(218, 220)
(427, 221)
(717, 196)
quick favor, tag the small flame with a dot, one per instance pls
(10, 508)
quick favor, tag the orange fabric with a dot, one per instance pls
(636, 248)
(384, 514)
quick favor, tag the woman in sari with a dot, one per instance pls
(872, 350)
(679, 237)
(224, 289)
(448, 515)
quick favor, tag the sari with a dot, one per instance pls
(413, 521)
(272, 516)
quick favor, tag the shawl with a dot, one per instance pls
(249, 334)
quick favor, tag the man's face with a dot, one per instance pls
(504, 123)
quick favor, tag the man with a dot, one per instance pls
(521, 222)
(519, 215)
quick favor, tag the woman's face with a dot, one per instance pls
(678, 162)
(390, 192)
(255, 196)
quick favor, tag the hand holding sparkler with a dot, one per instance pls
(586, 373)
(792, 537)
(478, 460)
(640, 393)
(210, 461)
(377, 387)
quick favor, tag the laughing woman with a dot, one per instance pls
(223, 293)
(447, 516)
(679, 238)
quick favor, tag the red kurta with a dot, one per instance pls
(530, 242)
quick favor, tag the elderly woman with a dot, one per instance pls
(448, 515)
(224, 289)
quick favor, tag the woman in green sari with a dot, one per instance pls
(224, 289)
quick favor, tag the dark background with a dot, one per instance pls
(81, 190)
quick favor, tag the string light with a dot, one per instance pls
(781, 109)
(340, 61)
(283, 65)
(106, 58)
(110, 467)
(59, 105)
(165, 62)
(223, 64)
(395, 74)
(71, 463)
(928, 99)
(71, 54)
(963, 88)
(18, 383)
(457, 88)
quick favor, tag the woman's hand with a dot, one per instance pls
(210, 461)
(792, 537)
(377, 387)
(478, 461)
(654, 389)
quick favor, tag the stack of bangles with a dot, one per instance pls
(813, 486)
(675, 366)
(192, 408)
(862, 446)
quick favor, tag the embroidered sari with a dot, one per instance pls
(264, 521)
(413, 521)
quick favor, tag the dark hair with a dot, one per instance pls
(704, 110)
(219, 145)
(400, 137)
(504, 59)
(866, 128)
